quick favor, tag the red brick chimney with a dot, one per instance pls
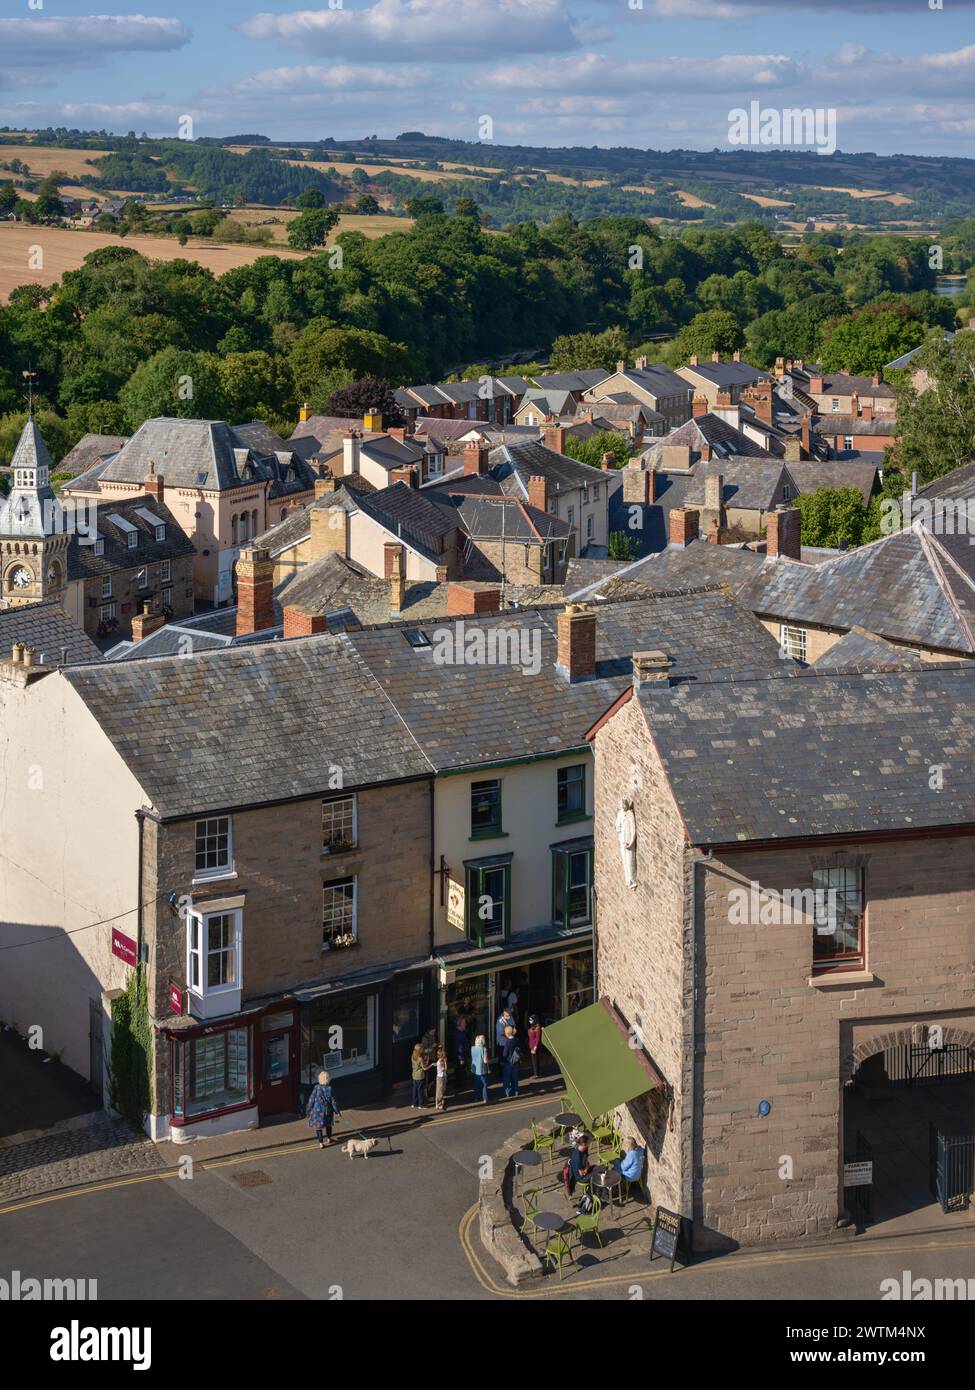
(760, 399)
(538, 492)
(255, 591)
(301, 622)
(684, 523)
(699, 406)
(866, 412)
(476, 455)
(554, 435)
(724, 397)
(144, 623)
(472, 598)
(153, 483)
(608, 461)
(783, 533)
(576, 641)
(804, 435)
(405, 475)
(816, 383)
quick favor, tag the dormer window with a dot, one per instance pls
(132, 540)
(99, 547)
(160, 533)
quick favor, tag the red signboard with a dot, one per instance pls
(175, 999)
(124, 947)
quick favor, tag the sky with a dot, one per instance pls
(660, 74)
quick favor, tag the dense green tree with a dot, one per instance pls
(174, 382)
(326, 358)
(255, 385)
(864, 342)
(832, 517)
(311, 228)
(936, 418)
(311, 198)
(592, 450)
(578, 351)
(715, 330)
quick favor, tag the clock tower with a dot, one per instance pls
(34, 539)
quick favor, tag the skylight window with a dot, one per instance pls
(416, 637)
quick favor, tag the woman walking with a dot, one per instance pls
(322, 1109)
(479, 1069)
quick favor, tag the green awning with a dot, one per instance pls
(600, 1068)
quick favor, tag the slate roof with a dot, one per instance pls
(88, 450)
(412, 515)
(959, 484)
(855, 424)
(859, 650)
(491, 518)
(84, 563)
(550, 402)
(810, 475)
(816, 754)
(48, 629)
(727, 373)
(713, 430)
(907, 587)
(675, 567)
(206, 454)
(160, 715)
(571, 381)
(843, 384)
(462, 715)
(514, 464)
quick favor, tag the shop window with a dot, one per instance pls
(488, 890)
(838, 931)
(572, 887)
(339, 915)
(407, 1008)
(214, 847)
(579, 982)
(338, 1036)
(211, 1073)
(571, 793)
(486, 809)
(339, 824)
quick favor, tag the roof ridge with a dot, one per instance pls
(928, 546)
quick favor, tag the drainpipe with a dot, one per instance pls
(140, 817)
(688, 1205)
(433, 846)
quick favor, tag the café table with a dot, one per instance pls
(551, 1221)
(526, 1158)
(606, 1179)
(568, 1119)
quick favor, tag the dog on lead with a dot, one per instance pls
(355, 1147)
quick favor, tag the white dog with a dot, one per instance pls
(359, 1146)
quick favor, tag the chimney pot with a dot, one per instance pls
(699, 406)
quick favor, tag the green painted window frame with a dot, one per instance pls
(561, 867)
(565, 817)
(493, 831)
(474, 891)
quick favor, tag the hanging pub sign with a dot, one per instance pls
(124, 947)
(455, 904)
(666, 1236)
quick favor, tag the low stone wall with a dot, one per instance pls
(498, 1232)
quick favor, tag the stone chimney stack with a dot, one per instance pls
(783, 533)
(713, 492)
(255, 591)
(153, 485)
(329, 532)
(650, 668)
(637, 484)
(304, 414)
(396, 574)
(323, 486)
(538, 492)
(576, 641)
(144, 623)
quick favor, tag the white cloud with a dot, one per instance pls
(36, 42)
(433, 30)
(593, 72)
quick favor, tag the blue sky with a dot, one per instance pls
(658, 73)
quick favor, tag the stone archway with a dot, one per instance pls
(898, 1037)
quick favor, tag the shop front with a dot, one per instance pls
(550, 982)
(232, 1074)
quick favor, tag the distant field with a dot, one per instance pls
(352, 222)
(898, 199)
(64, 249)
(424, 175)
(690, 201)
(44, 159)
(766, 202)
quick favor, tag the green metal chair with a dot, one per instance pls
(602, 1133)
(528, 1224)
(588, 1222)
(560, 1246)
(542, 1143)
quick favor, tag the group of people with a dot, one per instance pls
(474, 1058)
(579, 1167)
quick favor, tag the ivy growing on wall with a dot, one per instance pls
(130, 1071)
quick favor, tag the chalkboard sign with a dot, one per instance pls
(666, 1236)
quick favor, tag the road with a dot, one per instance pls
(297, 1223)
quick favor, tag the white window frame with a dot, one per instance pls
(106, 586)
(328, 942)
(108, 612)
(590, 527)
(142, 578)
(835, 404)
(334, 801)
(132, 539)
(198, 953)
(792, 641)
(160, 533)
(165, 571)
(218, 870)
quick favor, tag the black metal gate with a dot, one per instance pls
(917, 1064)
(952, 1168)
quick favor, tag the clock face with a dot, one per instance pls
(22, 577)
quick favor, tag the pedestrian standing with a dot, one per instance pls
(418, 1071)
(534, 1042)
(510, 1058)
(322, 1109)
(479, 1069)
(441, 1065)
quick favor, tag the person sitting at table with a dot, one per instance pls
(578, 1168)
(630, 1164)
